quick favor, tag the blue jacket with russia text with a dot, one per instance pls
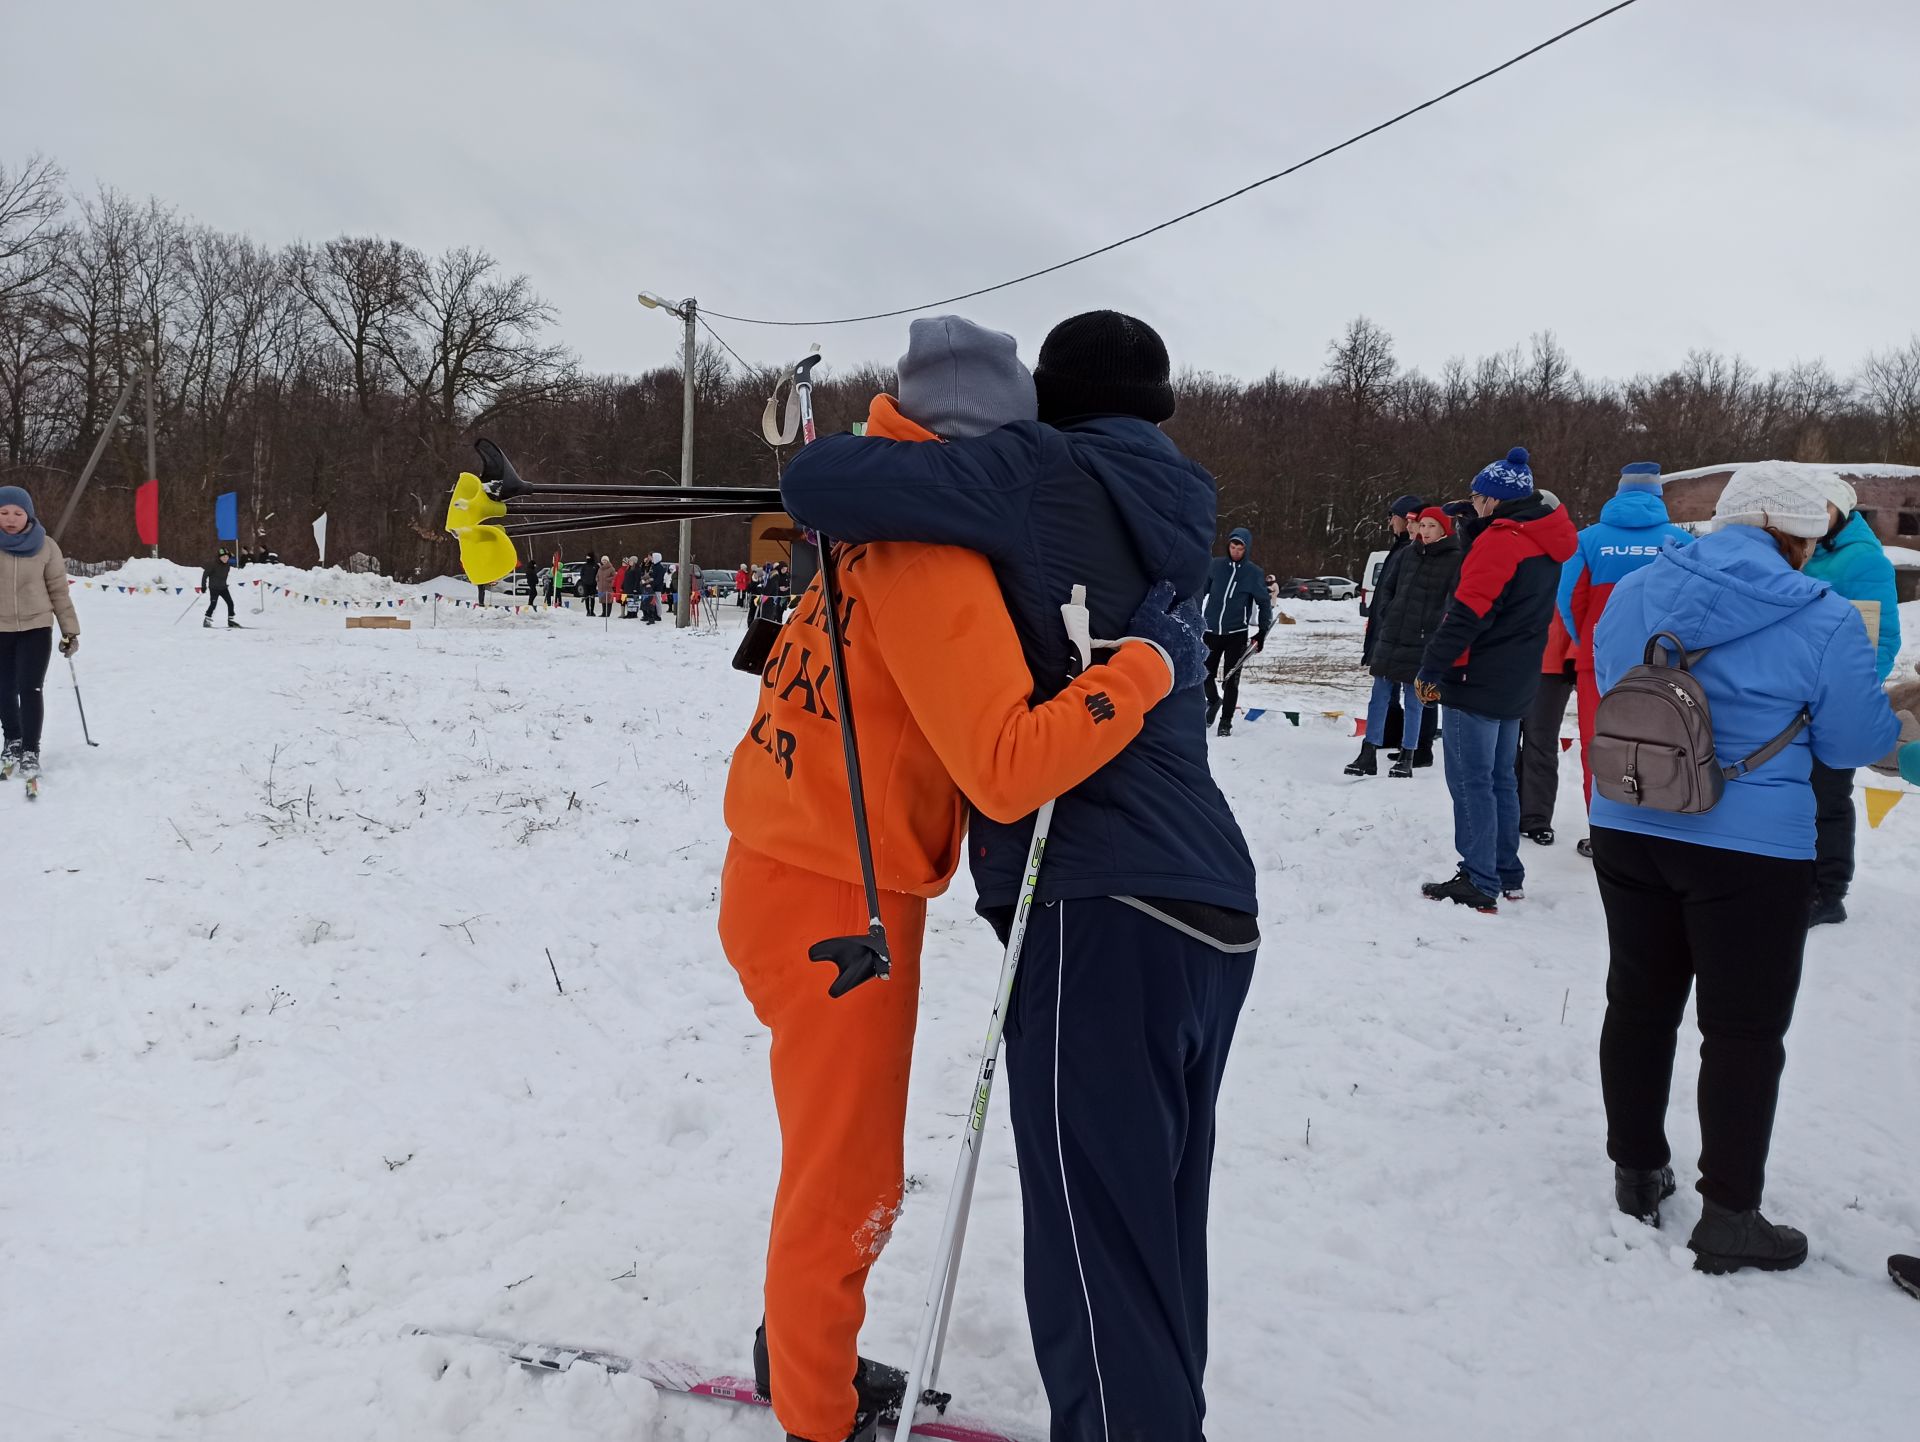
(1108, 502)
(1632, 528)
(1776, 641)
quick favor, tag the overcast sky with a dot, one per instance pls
(1739, 174)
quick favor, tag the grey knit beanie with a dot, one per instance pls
(961, 379)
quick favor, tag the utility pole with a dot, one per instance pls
(683, 603)
(153, 470)
(688, 312)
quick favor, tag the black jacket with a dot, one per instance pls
(1395, 554)
(1408, 604)
(214, 576)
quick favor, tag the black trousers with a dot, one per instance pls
(1224, 651)
(1117, 1037)
(1834, 827)
(23, 672)
(1539, 760)
(1736, 923)
(217, 594)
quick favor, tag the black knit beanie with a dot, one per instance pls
(1103, 363)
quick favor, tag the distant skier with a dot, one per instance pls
(213, 581)
(33, 592)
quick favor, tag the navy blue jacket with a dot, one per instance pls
(1108, 502)
(1235, 591)
(1486, 652)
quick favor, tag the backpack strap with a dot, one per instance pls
(1772, 749)
(1684, 659)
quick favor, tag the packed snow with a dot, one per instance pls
(290, 1072)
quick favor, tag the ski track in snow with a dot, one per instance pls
(286, 1074)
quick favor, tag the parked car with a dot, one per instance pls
(1306, 588)
(717, 582)
(1370, 579)
(1339, 588)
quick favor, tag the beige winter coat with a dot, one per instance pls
(33, 590)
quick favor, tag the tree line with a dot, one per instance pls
(350, 376)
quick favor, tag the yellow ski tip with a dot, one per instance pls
(486, 554)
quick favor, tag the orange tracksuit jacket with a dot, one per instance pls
(943, 698)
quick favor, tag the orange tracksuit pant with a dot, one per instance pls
(840, 1086)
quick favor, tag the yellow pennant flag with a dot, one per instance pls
(1880, 800)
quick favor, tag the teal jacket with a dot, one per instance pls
(1854, 564)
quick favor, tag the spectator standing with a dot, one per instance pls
(1718, 900)
(1851, 560)
(742, 579)
(1236, 592)
(1407, 607)
(603, 586)
(1540, 735)
(1484, 663)
(1632, 528)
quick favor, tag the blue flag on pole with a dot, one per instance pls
(226, 517)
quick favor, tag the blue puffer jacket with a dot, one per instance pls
(1632, 528)
(1855, 564)
(1236, 592)
(1108, 502)
(1779, 641)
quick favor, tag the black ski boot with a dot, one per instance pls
(1905, 1272)
(1225, 728)
(866, 1428)
(1462, 892)
(1828, 909)
(233, 625)
(1366, 763)
(1402, 766)
(207, 622)
(878, 1387)
(1639, 1194)
(1726, 1241)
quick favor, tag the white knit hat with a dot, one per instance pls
(1840, 491)
(1787, 497)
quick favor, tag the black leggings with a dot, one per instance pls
(23, 671)
(1736, 924)
(217, 594)
(1223, 654)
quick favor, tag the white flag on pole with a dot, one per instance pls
(320, 536)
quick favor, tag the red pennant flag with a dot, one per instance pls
(1359, 725)
(1566, 743)
(146, 513)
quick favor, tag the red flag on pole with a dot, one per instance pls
(146, 513)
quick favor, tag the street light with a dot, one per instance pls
(687, 312)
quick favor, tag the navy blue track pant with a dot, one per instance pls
(1116, 1041)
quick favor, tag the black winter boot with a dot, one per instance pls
(1905, 1272)
(1365, 764)
(1225, 728)
(1402, 766)
(1726, 1241)
(1423, 757)
(1462, 892)
(878, 1388)
(1639, 1194)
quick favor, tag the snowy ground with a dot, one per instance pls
(286, 1073)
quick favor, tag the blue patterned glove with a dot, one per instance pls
(1177, 630)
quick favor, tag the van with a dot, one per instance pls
(1370, 578)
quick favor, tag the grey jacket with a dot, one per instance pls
(33, 590)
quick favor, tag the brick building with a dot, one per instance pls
(1889, 498)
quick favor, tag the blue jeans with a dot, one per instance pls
(1382, 700)
(1486, 798)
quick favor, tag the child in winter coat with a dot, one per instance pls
(945, 714)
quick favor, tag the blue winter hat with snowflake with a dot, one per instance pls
(1506, 480)
(1641, 476)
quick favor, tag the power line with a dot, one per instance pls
(701, 317)
(1211, 204)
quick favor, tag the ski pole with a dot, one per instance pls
(81, 704)
(857, 958)
(923, 1369)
